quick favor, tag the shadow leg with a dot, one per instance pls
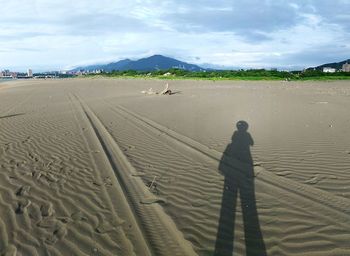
(255, 245)
(225, 234)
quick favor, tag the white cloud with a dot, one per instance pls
(250, 33)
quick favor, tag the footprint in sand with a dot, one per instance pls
(22, 206)
(37, 174)
(78, 216)
(97, 183)
(58, 229)
(61, 232)
(64, 220)
(34, 212)
(58, 234)
(28, 139)
(103, 225)
(23, 191)
(48, 223)
(107, 181)
(54, 238)
(47, 209)
(51, 240)
(50, 177)
(129, 148)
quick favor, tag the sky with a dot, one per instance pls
(58, 35)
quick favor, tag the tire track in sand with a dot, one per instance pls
(41, 211)
(332, 206)
(192, 185)
(115, 193)
(158, 229)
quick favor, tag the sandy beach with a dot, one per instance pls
(95, 167)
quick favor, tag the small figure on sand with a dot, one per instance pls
(166, 91)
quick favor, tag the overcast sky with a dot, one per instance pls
(49, 34)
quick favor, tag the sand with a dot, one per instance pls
(95, 167)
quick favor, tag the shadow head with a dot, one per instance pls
(242, 126)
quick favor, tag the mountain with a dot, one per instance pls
(336, 65)
(106, 67)
(155, 62)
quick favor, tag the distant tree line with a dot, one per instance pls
(252, 74)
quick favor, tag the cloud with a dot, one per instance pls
(237, 16)
(246, 33)
(334, 12)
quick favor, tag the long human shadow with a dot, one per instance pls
(237, 166)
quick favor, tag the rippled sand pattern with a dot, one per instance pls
(94, 167)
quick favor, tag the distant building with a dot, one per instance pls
(7, 74)
(346, 67)
(30, 73)
(329, 70)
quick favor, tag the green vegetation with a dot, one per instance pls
(253, 74)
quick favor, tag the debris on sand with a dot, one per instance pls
(166, 91)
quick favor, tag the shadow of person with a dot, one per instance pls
(237, 166)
